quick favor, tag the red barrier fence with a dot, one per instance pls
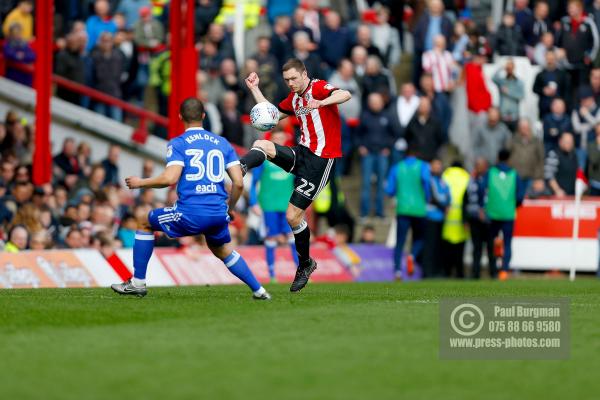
(140, 134)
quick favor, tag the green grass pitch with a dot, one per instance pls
(343, 341)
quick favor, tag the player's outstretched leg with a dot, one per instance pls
(258, 154)
(142, 251)
(306, 265)
(238, 267)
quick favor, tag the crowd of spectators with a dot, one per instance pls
(84, 205)
(415, 69)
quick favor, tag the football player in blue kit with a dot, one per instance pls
(197, 162)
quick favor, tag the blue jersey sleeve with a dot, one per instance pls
(446, 195)
(231, 157)
(392, 179)
(426, 178)
(440, 192)
(175, 156)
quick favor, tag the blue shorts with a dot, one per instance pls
(177, 224)
(276, 223)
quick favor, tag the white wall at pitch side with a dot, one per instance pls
(549, 253)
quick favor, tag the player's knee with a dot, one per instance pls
(144, 225)
(141, 216)
(294, 217)
(260, 143)
(222, 251)
(265, 145)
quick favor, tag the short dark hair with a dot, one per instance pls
(457, 163)
(72, 230)
(503, 155)
(294, 63)
(413, 150)
(14, 27)
(342, 229)
(192, 110)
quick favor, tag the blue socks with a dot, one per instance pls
(144, 245)
(270, 246)
(142, 251)
(239, 268)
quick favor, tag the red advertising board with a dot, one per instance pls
(554, 219)
(200, 267)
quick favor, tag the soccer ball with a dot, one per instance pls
(264, 116)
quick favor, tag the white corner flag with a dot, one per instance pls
(581, 185)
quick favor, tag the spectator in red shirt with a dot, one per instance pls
(479, 99)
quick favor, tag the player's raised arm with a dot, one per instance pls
(252, 82)
(338, 96)
(169, 176)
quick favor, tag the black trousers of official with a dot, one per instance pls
(481, 235)
(454, 258)
(432, 255)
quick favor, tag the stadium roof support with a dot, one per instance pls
(42, 157)
(184, 60)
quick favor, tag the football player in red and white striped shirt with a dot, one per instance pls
(314, 102)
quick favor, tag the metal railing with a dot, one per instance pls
(139, 135)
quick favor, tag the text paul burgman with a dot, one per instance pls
(526, 311)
